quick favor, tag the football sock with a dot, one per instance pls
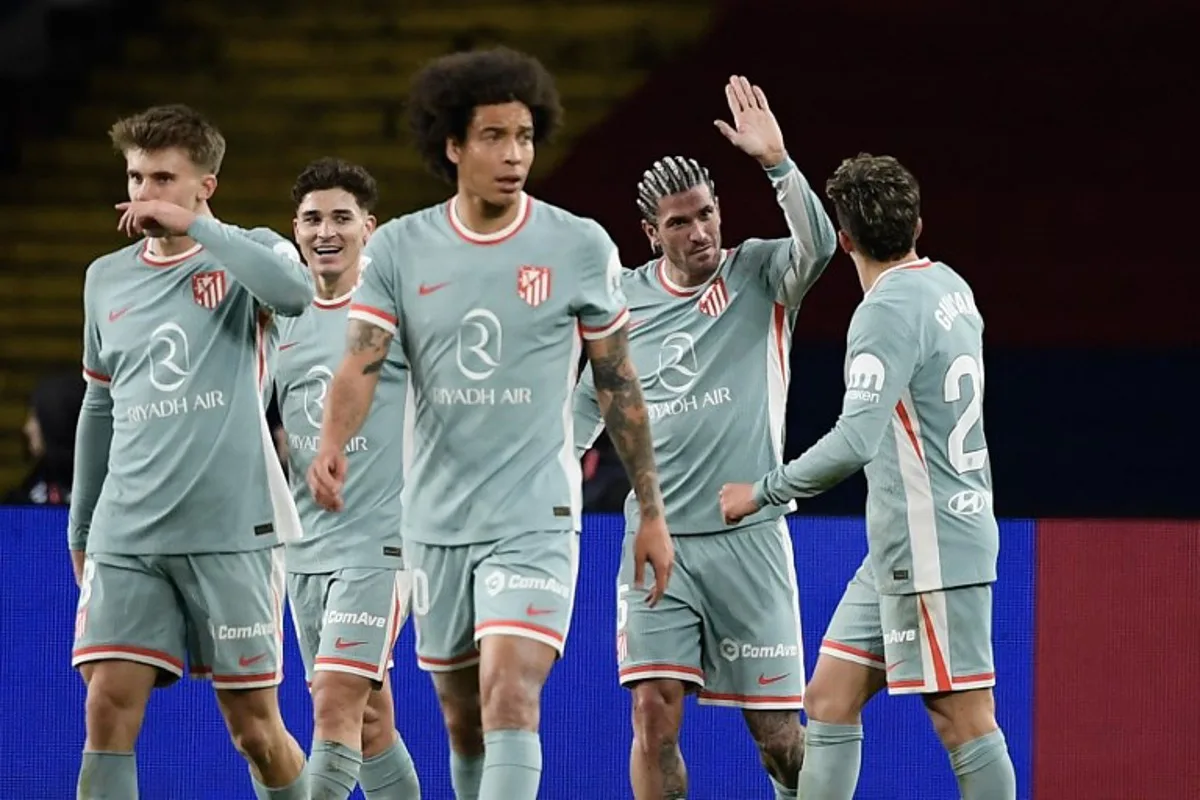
(512, 765)
(107, 776)
(832, 755)
(390, 775)
(984, 769)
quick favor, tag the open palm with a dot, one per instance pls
(754, 131)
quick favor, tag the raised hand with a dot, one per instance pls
(754, 131)
(154, 218)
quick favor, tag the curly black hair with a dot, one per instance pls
(447, 90)
(334, 173)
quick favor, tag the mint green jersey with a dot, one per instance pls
(367, 532)
(713, 361)
(912, 418)
(492, 329)
(173, 456)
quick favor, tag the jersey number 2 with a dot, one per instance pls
(965, 367)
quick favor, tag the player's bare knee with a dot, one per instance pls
(510, 698)
(512, 673)
(657, 713)
(117, 694)
(255, 726)
(378, 724)
(959, 717)
(458, 695)
(339, 701)
(839, 691)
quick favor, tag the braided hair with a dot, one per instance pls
(667, 176)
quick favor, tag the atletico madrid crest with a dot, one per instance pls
(715, 299)
(208, 289)
(533, 284)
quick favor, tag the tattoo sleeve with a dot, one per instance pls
(353, 386)
(626, 418)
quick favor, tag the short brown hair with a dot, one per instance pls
(164, 127)
(878, 203)
(334, 173)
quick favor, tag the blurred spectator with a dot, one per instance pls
(49, 434)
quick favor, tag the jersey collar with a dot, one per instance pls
(675, 289)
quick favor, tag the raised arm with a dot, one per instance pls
(813, 238)
(261, 260)
(793, 270)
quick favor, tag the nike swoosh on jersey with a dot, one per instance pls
(763, 680)
(430, 288)
(251, 661)
(113, 316)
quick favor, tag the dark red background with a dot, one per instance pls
(1051, 144)
(1117, 675)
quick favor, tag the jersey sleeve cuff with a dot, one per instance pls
(376, 316)
(591, 332)
(760, 494)
(781, 170)
(96, 378)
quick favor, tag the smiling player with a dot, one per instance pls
(349, 594)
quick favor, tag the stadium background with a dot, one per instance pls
(1057, 177)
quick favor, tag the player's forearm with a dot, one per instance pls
(813, 237)
(353, 387)
(274, 278)
(93, 439)
(627, 420)
(824, 465)
(350, 396)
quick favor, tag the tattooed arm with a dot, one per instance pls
(353, 386)
(346, 407)
(626, 418)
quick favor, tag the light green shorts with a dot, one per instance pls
(222, 612)
(522, 585)
(927, 643)
(348, 620)
(729, 624)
